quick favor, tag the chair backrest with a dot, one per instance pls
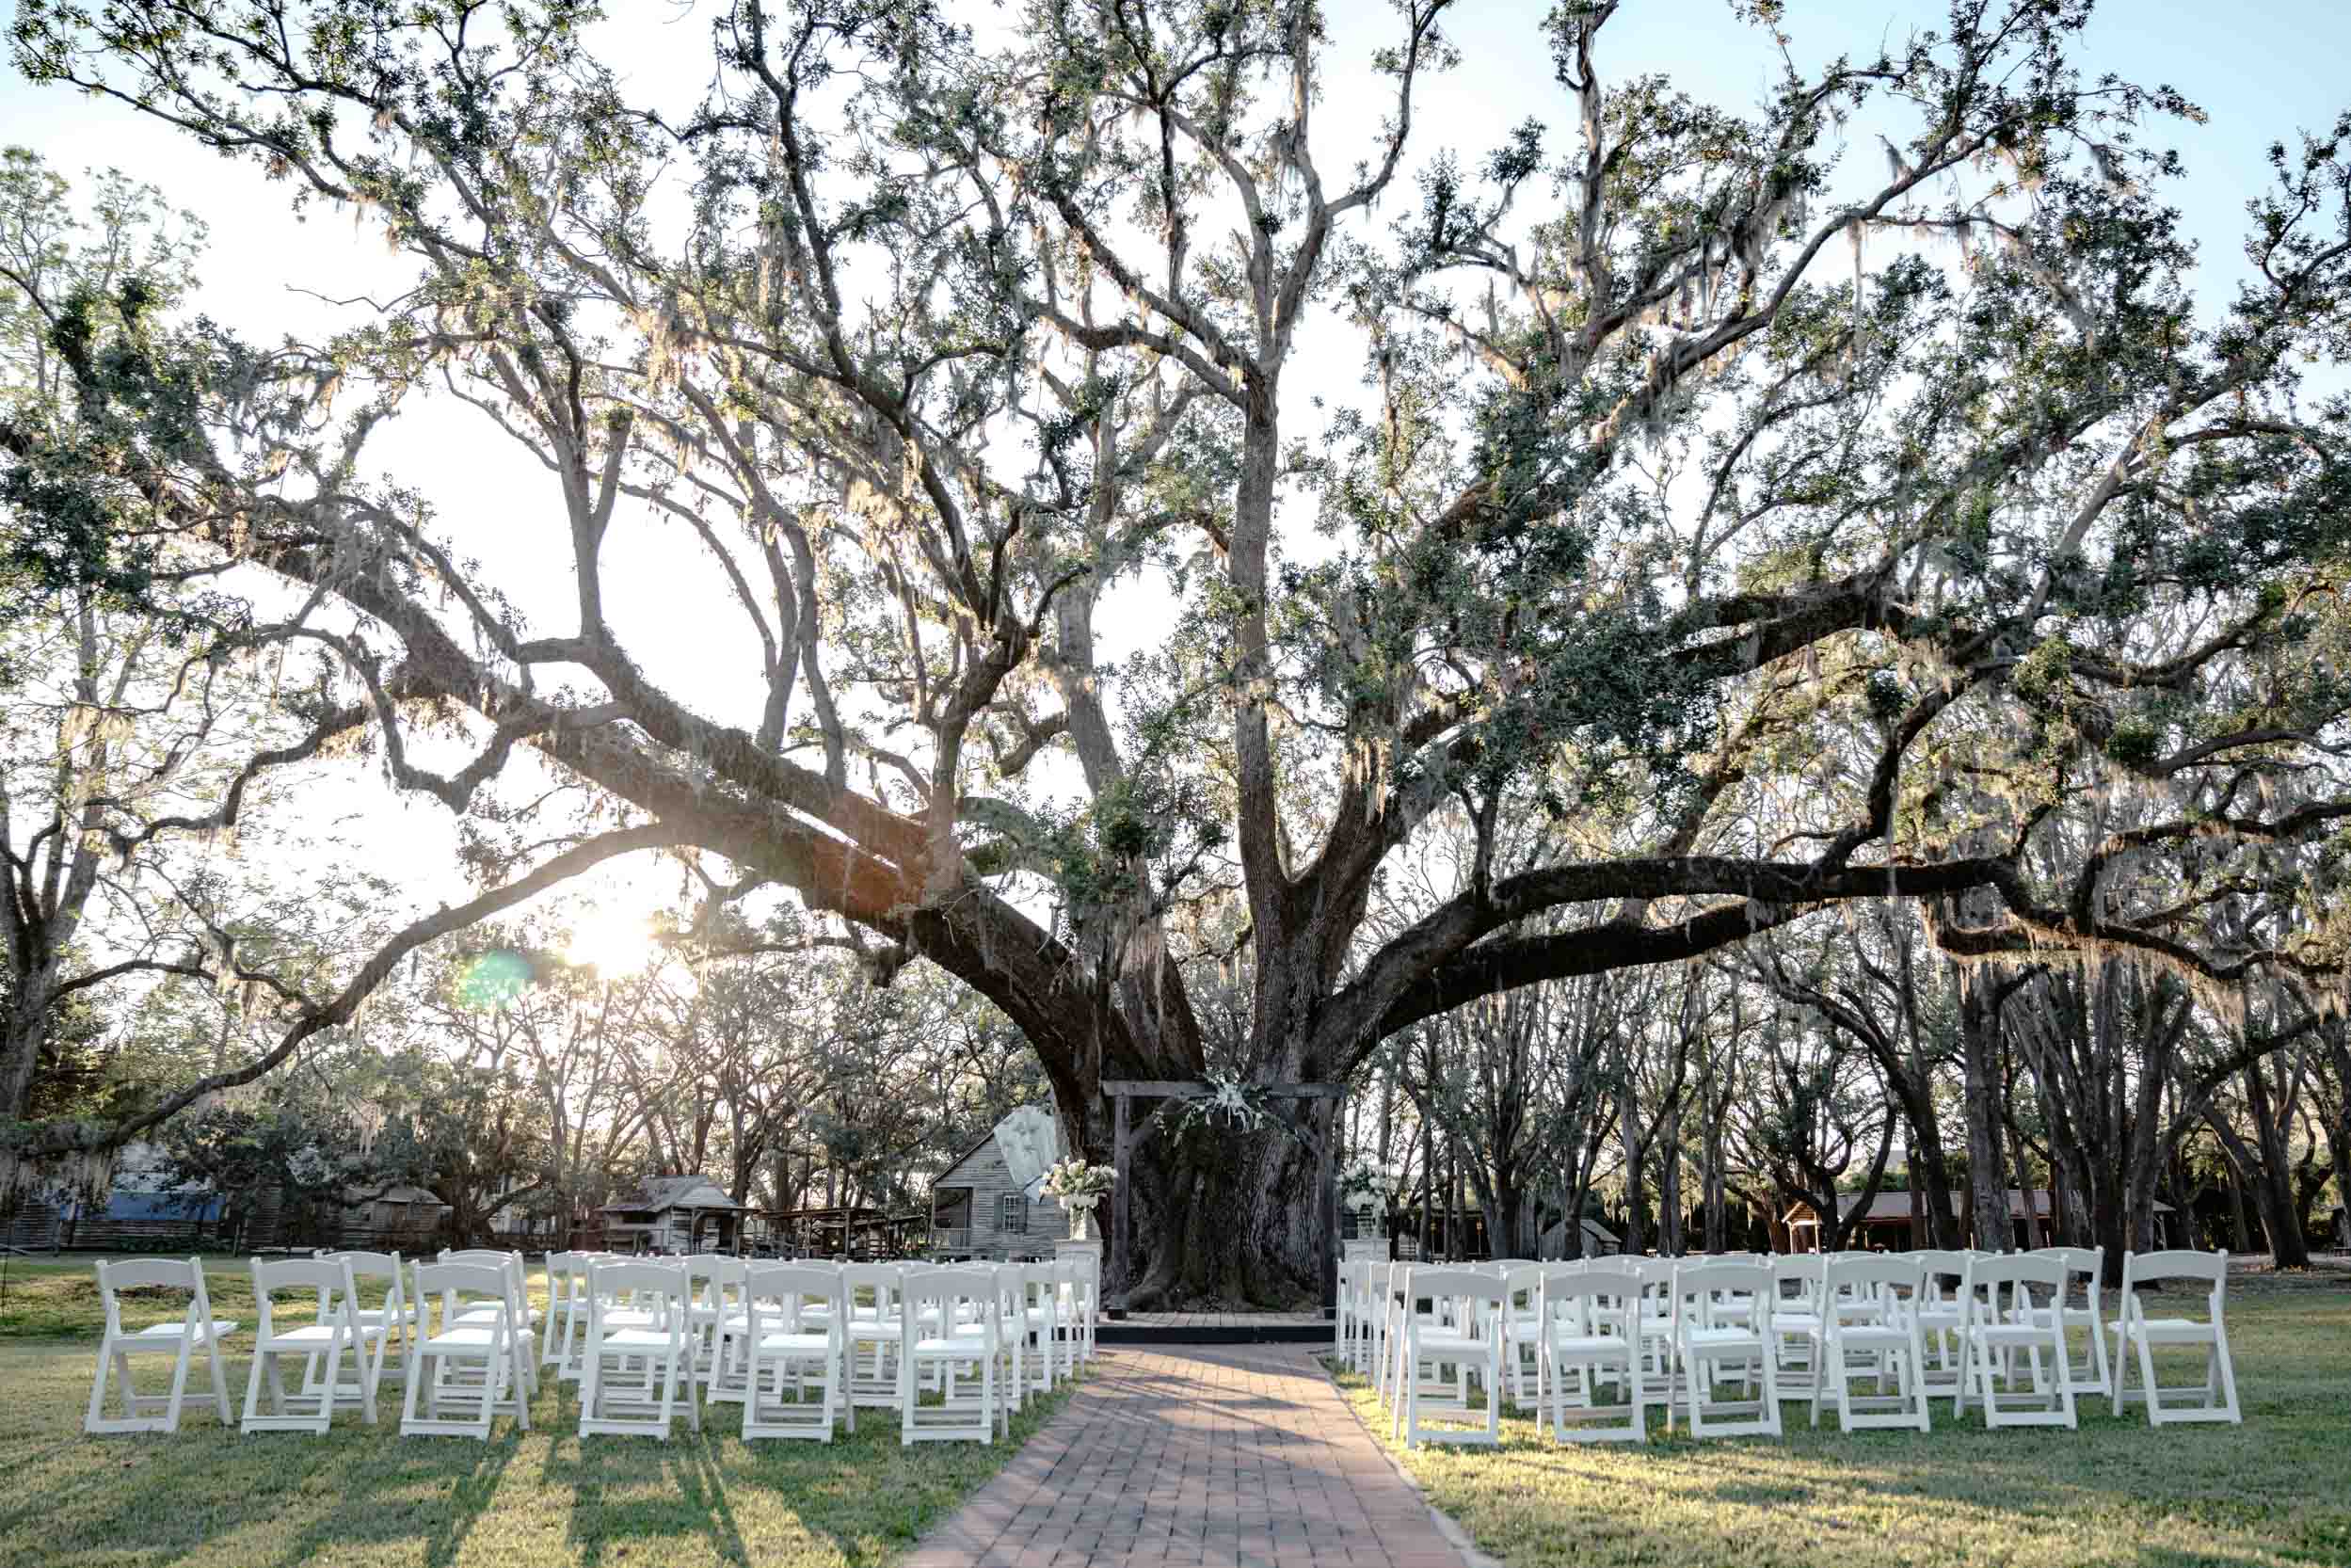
(1522, 1287)
(1477, 1295)
(1588, 1298)
(276, 1274)
(479, 1255)
(2140, 1269)
(1800, 1271)
(381, 1268)
(2081, 1263)
(453, 1284)
(871, 1285)
(1990, 1274)
(947, 1288)
(1698, 1288)
(1036, 1284)
(703, 1274)
(166, 1273)
(786, 1294)
(1848, 1279)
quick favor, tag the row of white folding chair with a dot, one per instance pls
(1731, 1320)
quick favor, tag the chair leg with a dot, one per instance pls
(106, 1362)
(2146, 1373)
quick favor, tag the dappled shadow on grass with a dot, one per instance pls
(210, 1499)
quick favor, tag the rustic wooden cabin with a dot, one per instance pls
(1886, 1228)
(398, 1219)
(673, 1214)
(980, 1207)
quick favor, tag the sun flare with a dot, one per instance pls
(611, 942)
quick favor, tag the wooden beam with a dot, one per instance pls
(1122, 1162)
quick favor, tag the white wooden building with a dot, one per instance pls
(989, 1201)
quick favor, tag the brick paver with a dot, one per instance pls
(1231, 1458)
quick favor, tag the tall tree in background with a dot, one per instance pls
(1646, 520)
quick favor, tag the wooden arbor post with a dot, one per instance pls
(1126, 1138)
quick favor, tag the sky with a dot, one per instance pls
(2259, 68)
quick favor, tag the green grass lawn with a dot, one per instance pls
(2277, 1490)
(205, 1497)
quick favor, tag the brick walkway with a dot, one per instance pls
(1229, 1458)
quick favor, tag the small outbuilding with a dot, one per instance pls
(674, 1214)
(1886, 1225)
(396, 1219)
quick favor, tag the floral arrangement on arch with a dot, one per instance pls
(1366, 1180)
(1074, 1180)
(1230, 1101)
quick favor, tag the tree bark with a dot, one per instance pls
(1986, 1181)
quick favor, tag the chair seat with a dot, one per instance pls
(1722, 1338)
(1591, 1344)
(1796, 1322)
(463, 1339)
(2163, 1330)
(811, 1344)
(1441, 1344)
(628, 1317)
(634, 1341)
(1864, 1336)
(384, 1315)
(172, 1334)
(937, 1348)
(875, 1328)
(2010, 1334)
(320, 1335)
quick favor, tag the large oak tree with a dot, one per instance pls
(1578, 479)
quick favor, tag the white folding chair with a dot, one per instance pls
(872, 1332)
(1723, 1331)
(798, 1345)
(1868, 1308)
(1085, 1300)
(2136, 1335)
(634, 1375)
(1938, 1314)
(567, 1311)
(567, 1277)
(932, 1304)
(395, 1317)
(1039, 1307)
(1991, 1335)
(336, 1333)
(2085, 1265)
(1464, 1330)
(1589, 1323)
(195, 1331)
(518, 1307)
(727, 1379)
(1522, 1332)
(1795, 1318)
(464, 1353)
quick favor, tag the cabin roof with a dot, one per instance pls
(662, 1194)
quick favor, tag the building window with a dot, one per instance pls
(1012, 1214)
